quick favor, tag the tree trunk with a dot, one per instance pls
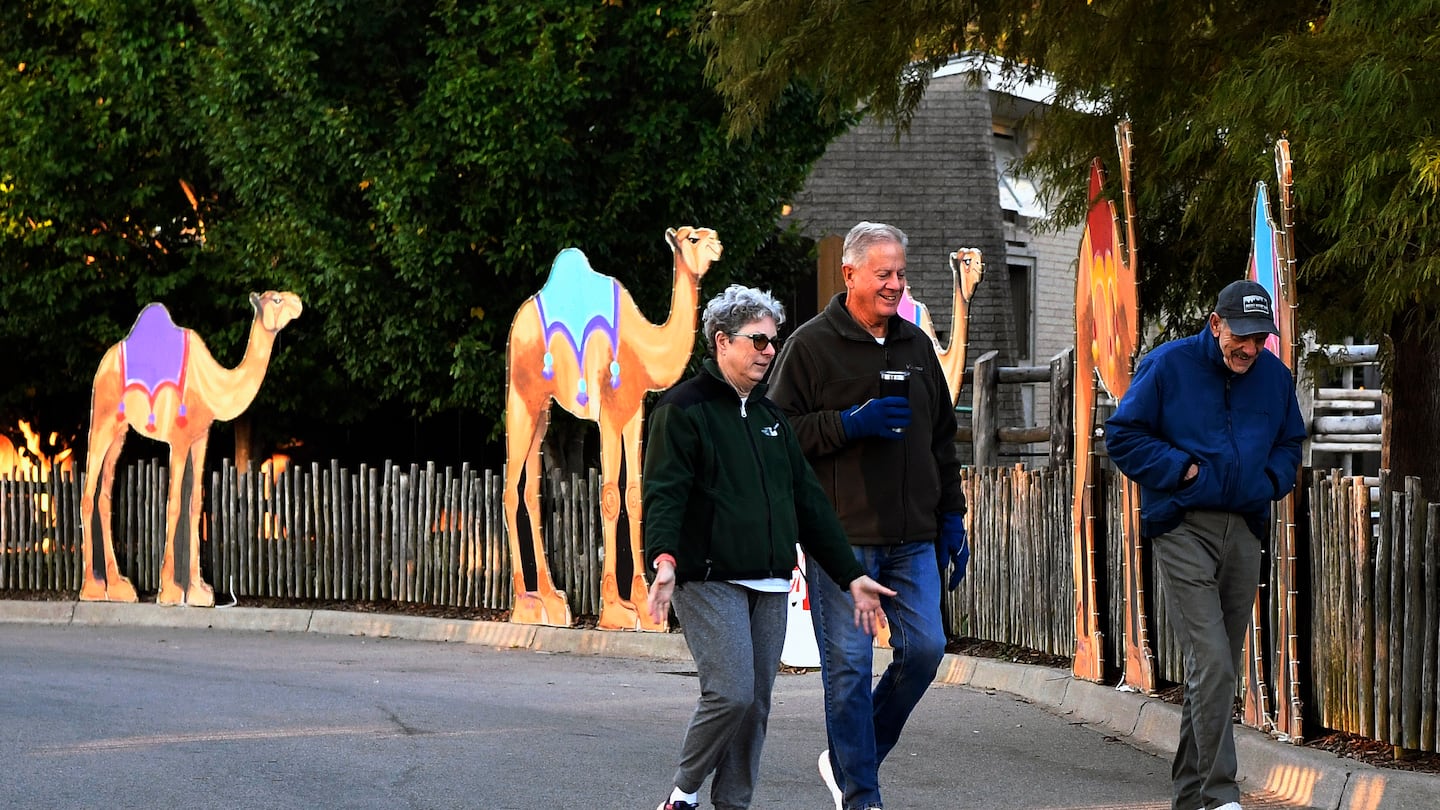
(244, 451)
(1414, 430)
(564, 448)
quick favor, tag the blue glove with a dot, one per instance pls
(952, 546)
(884, 418)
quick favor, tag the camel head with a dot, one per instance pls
(274, 310)
(968, 269)
(695, 248)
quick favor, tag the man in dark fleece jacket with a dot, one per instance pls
(888, 464)
(1211, 430)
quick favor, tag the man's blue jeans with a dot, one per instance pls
(863, 726)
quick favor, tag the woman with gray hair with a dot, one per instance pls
(727, 496)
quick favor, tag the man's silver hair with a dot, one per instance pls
(868, 234)
(736, 306)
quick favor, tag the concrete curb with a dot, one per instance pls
(1276, 770)
(1304, 776)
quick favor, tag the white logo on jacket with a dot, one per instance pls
(773, 430)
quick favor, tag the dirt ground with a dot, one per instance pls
(1363, 749)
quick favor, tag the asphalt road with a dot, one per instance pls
(115, 717)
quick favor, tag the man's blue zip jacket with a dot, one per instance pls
(1185, 405)
(728, 492)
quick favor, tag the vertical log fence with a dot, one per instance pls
(420, 534)
(1020, 589)
(1375, 597)
(402, 534)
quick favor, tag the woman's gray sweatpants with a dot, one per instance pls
(1210, 568)
(736, 636)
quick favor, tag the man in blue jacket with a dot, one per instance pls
(1211, 431)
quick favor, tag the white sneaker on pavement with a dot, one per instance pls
(828, 774)
(1230, 806)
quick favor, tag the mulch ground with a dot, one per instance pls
(1351, 746)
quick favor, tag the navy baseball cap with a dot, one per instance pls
(1245, 305)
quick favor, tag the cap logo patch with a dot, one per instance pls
(1255, 304)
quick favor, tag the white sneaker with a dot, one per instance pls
(828, 774)
(1230, 806)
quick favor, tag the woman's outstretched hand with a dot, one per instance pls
(661, 591)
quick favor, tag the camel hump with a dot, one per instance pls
(153, 354)
(154, 320)
(576, 300)
(571, 276)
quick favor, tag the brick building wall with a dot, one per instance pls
(937, 183)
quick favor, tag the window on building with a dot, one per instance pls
(1022, 300)
(1021, 271)
(1018, 194)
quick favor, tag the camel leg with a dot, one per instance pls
(557, 608)
(107, 439)
(615, 613)
(92, 582)
(520, 432)
(171, 592)
(525, 430)
(639, 590)
(1139, 671)
(197, 592)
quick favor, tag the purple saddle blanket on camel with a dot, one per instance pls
(153, 354)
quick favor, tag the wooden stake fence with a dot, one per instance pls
(1375, 596)
(1020, 588)
(418, 534)
(390, 534)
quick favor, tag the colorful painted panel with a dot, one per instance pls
(1265, 264)
(1107, 336)
(1272, 263)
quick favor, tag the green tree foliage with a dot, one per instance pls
(410, 169)
(1151, 62)
(1209, 88)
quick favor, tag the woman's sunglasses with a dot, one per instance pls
(760, 339)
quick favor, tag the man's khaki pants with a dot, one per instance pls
(1209, 568)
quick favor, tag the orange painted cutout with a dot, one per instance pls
(1107, 335)
(162, 381)
(582, 343)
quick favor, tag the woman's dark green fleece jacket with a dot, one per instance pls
(728, 492)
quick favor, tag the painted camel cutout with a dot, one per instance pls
(581, 342)
(966, 271)
(163, 382)
(1107, 337)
